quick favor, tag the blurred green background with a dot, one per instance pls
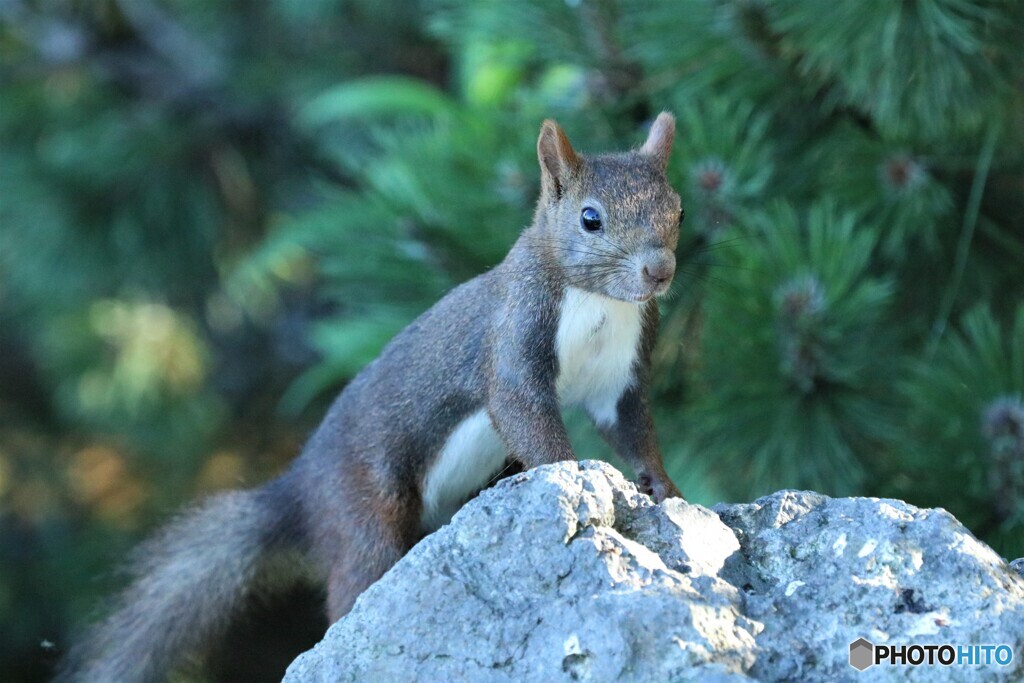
(213, 214)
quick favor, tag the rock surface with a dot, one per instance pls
(567, 573)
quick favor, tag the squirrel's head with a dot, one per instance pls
(610, 221)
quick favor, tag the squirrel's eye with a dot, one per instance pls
(590, 219)
(682, 215)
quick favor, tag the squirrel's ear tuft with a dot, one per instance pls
(659, 140)
(558, 160)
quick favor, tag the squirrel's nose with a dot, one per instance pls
(659, 269)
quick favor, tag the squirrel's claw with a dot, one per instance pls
(659, 489)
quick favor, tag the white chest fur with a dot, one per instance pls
(596, 343)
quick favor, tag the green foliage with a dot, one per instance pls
(964, 448)
(963, 57)
(375, 98)
(797, 365)
(726, 161)
(417, 230)
(892, 187)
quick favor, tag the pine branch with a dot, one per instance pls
(966, 237)
(621, 78)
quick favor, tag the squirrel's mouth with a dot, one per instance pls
(661, 289)
(645, 296)
(634, 291)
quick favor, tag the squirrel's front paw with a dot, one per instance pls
(657, 488)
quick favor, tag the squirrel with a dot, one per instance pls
(474, 384)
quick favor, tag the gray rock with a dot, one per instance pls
(821, 572)
(567, 573)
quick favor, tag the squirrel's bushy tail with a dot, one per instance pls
(188, 582)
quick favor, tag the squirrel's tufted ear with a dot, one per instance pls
(558, 160)
(659, 140)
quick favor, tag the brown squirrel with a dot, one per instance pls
(476, 382)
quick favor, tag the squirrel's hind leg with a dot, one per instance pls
(373, 540)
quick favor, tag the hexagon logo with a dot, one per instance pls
(862, 654)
